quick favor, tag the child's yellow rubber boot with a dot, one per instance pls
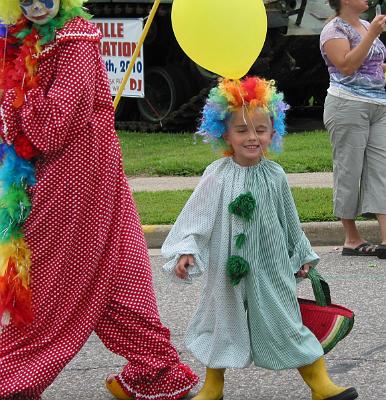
(316, 377)
(116, 390)
(213, 388)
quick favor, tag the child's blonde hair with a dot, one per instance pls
(10, 10)
(231, 95)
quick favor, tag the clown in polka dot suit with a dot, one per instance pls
(89, 269)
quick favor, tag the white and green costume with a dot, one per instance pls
(258, 319)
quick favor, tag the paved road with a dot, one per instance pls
(356, 282)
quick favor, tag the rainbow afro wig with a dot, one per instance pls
(10, 10)
(231, 95)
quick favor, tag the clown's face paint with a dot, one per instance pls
(40, 11)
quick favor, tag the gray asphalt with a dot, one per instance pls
(356, 282)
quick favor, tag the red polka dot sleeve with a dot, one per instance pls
(47, 118)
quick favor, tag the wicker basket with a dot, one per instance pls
(330, 323)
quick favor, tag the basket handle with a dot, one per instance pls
(320, 288)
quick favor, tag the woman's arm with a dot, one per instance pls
(349, 60)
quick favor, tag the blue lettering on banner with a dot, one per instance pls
(110, 66)
(137, 68)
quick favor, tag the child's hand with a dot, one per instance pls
(303, 271)
(182, 265)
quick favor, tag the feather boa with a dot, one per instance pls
(16, 174)
(19, 50)
(18, 73)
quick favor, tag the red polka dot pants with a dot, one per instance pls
(118, 303)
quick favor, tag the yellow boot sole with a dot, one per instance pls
(116, 390)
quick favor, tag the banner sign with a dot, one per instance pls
(120, 38)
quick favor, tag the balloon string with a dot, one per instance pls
(5, 47)
(247, 116)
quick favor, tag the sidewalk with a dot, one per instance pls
(157, 183)
(319, 233)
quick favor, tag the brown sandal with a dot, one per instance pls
(380, 251)
(364, 249)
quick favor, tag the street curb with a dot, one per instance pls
(319, 233)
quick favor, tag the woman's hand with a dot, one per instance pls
(183, 263)
(377, 25)
(303, 271)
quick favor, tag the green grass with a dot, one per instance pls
(159, 208)
(306, 152)
(153, 154)
(314, 204)
(164, 154)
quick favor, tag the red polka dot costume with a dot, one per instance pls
(90, 269)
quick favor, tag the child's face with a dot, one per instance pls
(39, 11)
(249, 137)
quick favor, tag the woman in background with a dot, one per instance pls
(355, 117)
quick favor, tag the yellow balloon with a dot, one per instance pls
(222, 36)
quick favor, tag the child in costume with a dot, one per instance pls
(240, 227)
(73, 258)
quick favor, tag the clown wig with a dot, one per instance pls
(231, 95)
(10, 10)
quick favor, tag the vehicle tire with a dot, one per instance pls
(164, 93)
(122, 110)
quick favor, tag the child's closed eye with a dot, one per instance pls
(242, 130)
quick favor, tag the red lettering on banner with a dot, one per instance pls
(120, 30)
(127, 50)
(120, 49)
(111, 29)
(133, 47)
(106, 49)
(135, 85)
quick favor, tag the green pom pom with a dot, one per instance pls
(236, 269)
(240, 240)
(243, 206)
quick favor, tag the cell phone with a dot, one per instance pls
(378, 10)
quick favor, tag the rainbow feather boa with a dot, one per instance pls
(16, 174)
(19, 49)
